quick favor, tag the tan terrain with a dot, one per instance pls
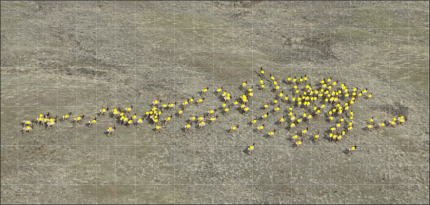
(81, 57)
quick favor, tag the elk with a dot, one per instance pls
(110, 130)
(27, 128)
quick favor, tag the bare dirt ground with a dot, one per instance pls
(80, 57)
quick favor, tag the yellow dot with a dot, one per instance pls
(94, 121)
(129, 109)
(78, 118)
(251, 147)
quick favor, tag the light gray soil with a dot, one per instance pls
(80, 57)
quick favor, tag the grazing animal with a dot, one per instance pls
(27, 128)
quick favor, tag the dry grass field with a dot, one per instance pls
(80, 57)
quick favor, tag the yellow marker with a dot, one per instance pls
(28, 122)
(300, 142)
(205, 90)
(154, 117)
(122, 114)
(353, 148)
(352, 117)
(129, 109)
(251, 147)
(140, 120)
(171, 105)
(94, 121)
(41, 115)
(297, 91)
(370, 126)
(188, 126)
(168, 118)
(316, 136)
(286, 98)
(134, 116)
(28, 127)
(275, 101)
(261, 127)
(158, 127)
(246, 109)
(244, 84)
(200, 100)
(79, 118)
(203, 123)
(110, 128)
(159, 112)
(191, 100)
(130, 121)
(40, 119)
